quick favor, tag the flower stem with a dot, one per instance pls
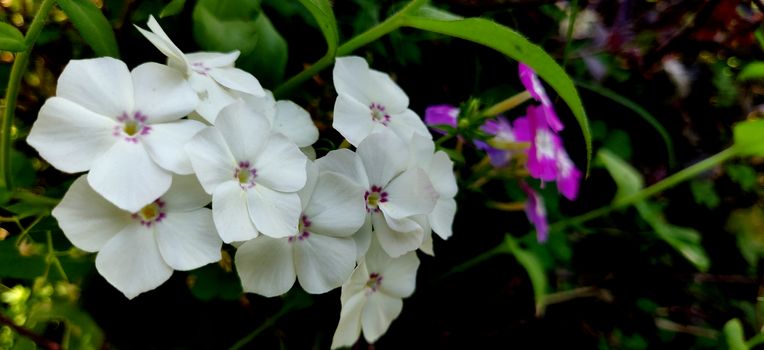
(507, 104)
(12, 92)
(392, 23)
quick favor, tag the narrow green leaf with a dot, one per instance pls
(685, 240)
(11, 38)
(628, 180)
(532, 265)
(733, 333)
(173, 8)
(752, 71)
(514, 45)
(748, 137)
(92, 25)
(324, 16)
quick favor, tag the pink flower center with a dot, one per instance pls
(131, 127)
(200, 68)
(378, 114)
(302, 229)
(151, 213)
(245, 174)
(374, 281)
(373, 197)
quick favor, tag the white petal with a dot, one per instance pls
(399, 276)
(237, 79)
(265, 266)
(166, 144)
(351, 77)
(281, 166)
(185, 194)
(408, 123)
(411, 193)
(274, 213)
(264, 105)
(214, 59)
(345, 162)
(245, 132)
(395, 243)
(162, 93)
(231, 214)
(131, 261)
(311, 170)
(387, 93)
(384, 156)
(427, 246)
(323, 263)
(70, 137)
(295, 123)
(403, 225)
(102, 85)
(337, 207)
(211, 159)
(87, 219)
(188, 240)
(352, 119)
(441, 172)
(363, 239)
(379, 312)
(422, 149)
(126, 176)
(212, 97)
(162, 42)
(442, 217)
(349, 327)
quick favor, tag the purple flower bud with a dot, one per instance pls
(441, 115)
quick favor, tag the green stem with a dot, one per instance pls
(507, 104)
(33, 198)
(12, 92)
(569, 35)
(51, 258)
(392, 23)
(671, 181)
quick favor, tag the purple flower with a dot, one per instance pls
(437, 115)
(501, 129)
(536, 212)
(533, 85)
(568, 176)
(545, 144)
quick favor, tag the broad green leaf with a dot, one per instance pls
(92, 25)
(628, 180)
(212, 282)
(748, 137)
(748, 226)
(15, 265)
(514, 45)
(11, 38)
(324, 16)
(751, 71)
(173, 8)
(532, 265)
(733, 333)
(742, 174)
(231, 9)
(704, 193)
(84, 333)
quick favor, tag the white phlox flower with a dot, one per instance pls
(440, 170)
(369, 101)
(123, 126)
(286, 118)
(320, 253)
(394, 194)
(252, 173)
(211, 74)
(138, 251)
(372, 297)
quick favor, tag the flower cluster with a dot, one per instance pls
(545, 157)
(162, 144)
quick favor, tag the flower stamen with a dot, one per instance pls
(151, 213)
(131, 127)
(373, 198)
(378, 114)
(245, 174)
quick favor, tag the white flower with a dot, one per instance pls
(138, 251)
(123, 126)
(320, 253)
(369, 101)
(252, 174)
(394, 194)
(285, 117)
(211, 74)
(372, 297)
(439, 168)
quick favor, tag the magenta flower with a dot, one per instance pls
(536, 212)
(533, 85)
(568, 176)
(438, 115)
(545, 144)
(502, 130)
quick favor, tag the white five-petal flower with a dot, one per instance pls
(123, 126)
(372, 297)
(369, 101)
(211, 74)
(394, 193)
(138, 251)
(252, 173)
(320, 253)
(285, 117)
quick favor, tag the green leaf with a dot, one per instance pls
(212, 282)
(751, 71)
(15, 265)
(324, 16)
(742, 174)
(514, 45)
(173, 8)
(748, 137)
(733, 333)
(748, 226)
(532, 265)
(11, 38)
(92, 25)
(704, 193)
(628, 180)
(84, 333)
